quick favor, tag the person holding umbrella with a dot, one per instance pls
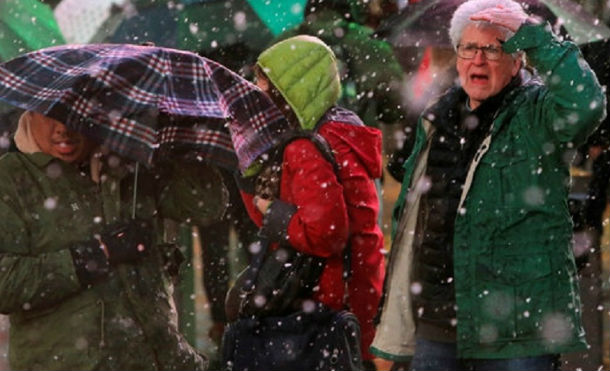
(87, 284)
(481, 273)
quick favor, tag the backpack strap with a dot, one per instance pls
(325, 149)
(323, 146)
(316, 138)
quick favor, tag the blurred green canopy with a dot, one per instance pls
(279, 15)
(26, 25)
(232, 32)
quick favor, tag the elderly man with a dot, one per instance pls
(86, 286)
(481, 274)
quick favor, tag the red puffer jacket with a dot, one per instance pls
(328, 211)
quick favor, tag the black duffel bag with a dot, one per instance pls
(322, 339)
(275, 325)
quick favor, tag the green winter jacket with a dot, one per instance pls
(128, 320)
(515, 279)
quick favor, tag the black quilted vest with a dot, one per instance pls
(458, 134)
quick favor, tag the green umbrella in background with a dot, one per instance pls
(232, 32)
(235, 32)
(26, 25)
(205, 26)
(212, 23)
(279, 15)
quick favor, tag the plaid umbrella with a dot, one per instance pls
(146, 102)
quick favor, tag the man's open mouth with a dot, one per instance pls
(479, 78)
(65, 147)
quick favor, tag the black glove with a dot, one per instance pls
(267, 184)
(90, 262)
(127, 241)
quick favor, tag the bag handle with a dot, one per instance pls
(255, 265)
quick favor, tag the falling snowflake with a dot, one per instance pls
(556, 329)
(416, 288)
(239, 21)
(50, 203)
(255, 247)
(488, 333)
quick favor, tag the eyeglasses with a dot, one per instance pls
(469, 51)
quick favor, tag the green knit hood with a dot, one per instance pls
(304, 70)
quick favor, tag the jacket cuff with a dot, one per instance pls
(90, 262)
(528, 36)
(245, 184)
(276, 220)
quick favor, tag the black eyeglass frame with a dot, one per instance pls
(489, 51)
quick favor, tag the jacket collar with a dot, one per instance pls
(447, 109)
(40, 159)
(512, 99)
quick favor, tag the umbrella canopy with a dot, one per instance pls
(210, 25)
(279, 15)
(227, 31)
(155, 22)
(146, 102)
(421, 23)
(80, 20)
(26, 25)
